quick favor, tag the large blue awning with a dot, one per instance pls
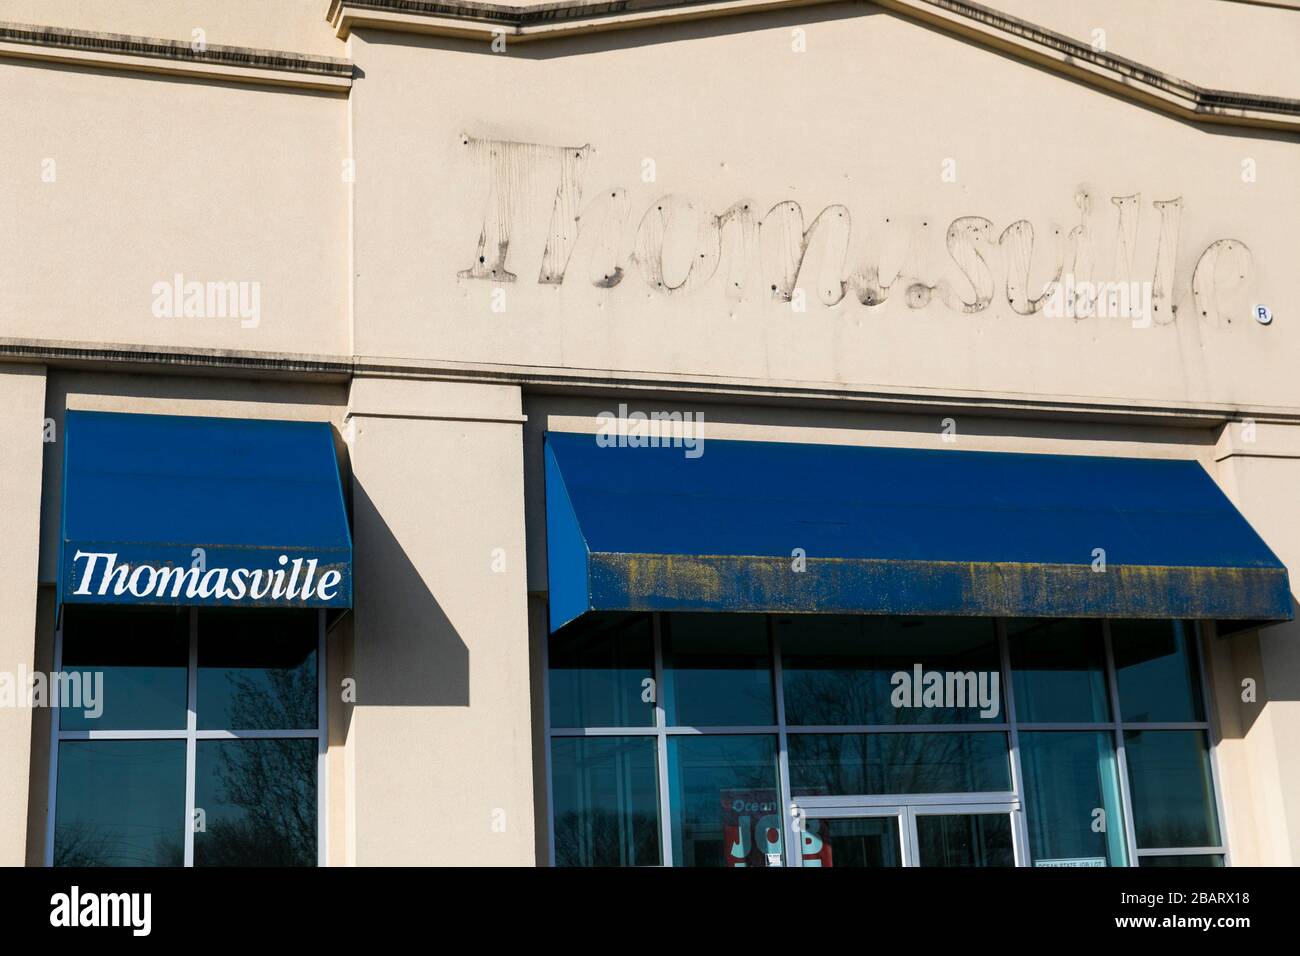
(161, 509)
(761, 526)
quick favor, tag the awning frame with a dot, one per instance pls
(198, 511)
(586, 573)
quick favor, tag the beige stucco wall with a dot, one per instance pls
(1260, 471)
(22, 416)
(851, 122)
(38, 794)
(114, 182)
(443, 766)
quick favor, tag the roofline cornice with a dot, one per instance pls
(974, 22)
(153, 55)
(153, 359)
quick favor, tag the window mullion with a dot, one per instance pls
(1202, 656)
(322, 745)
(1121, 758)
(191, 728)
(53, 780)
(661, 721)
(793, 839)
(1020, 819)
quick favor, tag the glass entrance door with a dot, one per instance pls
(854, 837)
(962, 836)
(920, 834)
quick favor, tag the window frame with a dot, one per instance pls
(192, 735)
(1009, 725)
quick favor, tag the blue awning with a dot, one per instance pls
(762, 526)
(161, 509)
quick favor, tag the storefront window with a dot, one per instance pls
(839, 669)
(726, 807)
(717, 670)
(1185, 859)
(766, 740)
(938, 762)
(1173, 792)
(260, 674)
(242, 724)
(143, 656)
(982, 839)
(1059, 669)
(601, 667)
(1072, 793)
(855, 842)
(259, 802)
(1155, 667)
(120, 803)
(606, 794)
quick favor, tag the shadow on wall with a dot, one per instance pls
(1276, 653)
(1252, 669)
(407, 652)
(585, 44)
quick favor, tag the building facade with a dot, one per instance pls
(744, 433)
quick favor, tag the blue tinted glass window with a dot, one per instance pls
(257, 670)
(135, 660)
(1188, 859)
(964, 839)
(1071, 785)
(606, 793)
(850, 842)
(1059, 669)
(1155, 665)
(938, 762)
(874, 670)
(1173, 793)
(599, 668)
(258, 799)
(717, 670)
(726, 808)
(120, 803)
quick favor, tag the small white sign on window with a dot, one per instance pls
(1074, 861)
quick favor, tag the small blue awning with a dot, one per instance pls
(161, 509)
(762, 526)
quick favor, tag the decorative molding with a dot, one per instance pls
(1115, 74)
(979, 24)
(1279, 4)
(522, 22)
(152, 358)
(153, 55)
(339, 368)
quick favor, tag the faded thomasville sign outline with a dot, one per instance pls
(774, 253)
